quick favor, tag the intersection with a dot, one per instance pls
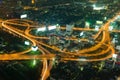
(87, 54)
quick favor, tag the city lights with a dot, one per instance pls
(82, 33)
(27, 43)
(34, 48)
(34, 62)
(114, 55)
(41, 29)
(97, 7)
(51, 27)
(59, 39)
(23, 16)
(96, 27)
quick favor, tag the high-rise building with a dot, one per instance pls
(53, 40)
(69, 28)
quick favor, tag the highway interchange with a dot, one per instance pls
(90, 54)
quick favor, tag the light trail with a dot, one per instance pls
(65, 55)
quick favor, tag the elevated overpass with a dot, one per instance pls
(101, 51)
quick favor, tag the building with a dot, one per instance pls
(53, 40)
(69, 29)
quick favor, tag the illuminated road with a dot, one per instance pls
(94, 53)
